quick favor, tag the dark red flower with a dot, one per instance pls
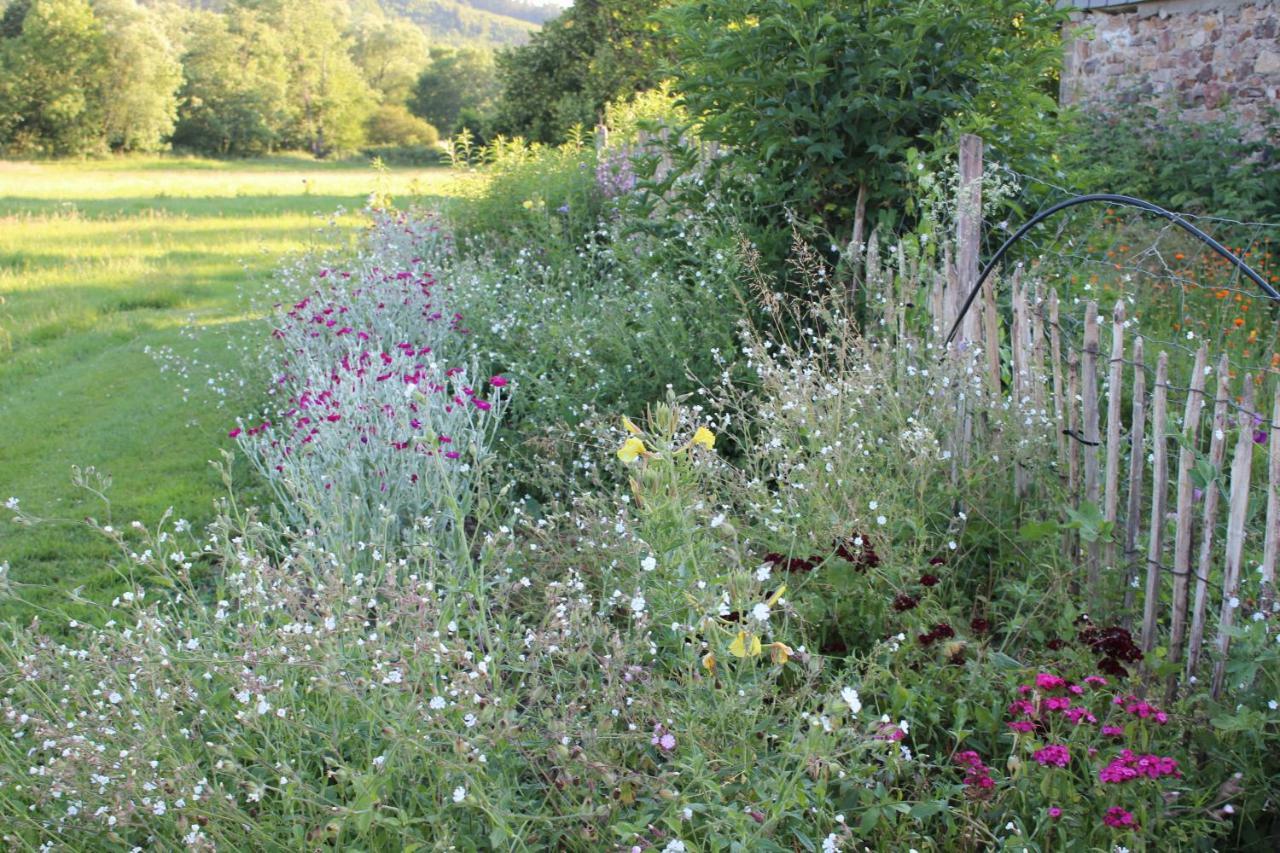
(904, 602)
(929, 580)
(979, 625)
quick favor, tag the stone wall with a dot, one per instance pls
(1200, 58)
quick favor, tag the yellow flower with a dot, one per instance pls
(773, 599)
(709, 662)
(740, 649)
(704, 438)
(779, 652)
(630, 449)
(528, 204)
(629, 426)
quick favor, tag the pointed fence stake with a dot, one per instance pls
(1115, 396)
(1185, 509)
(1209, 519)
(1238, 507)
(1159, 500)
(1137, 459)
(1092, 491)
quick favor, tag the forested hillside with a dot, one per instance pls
(491, 22)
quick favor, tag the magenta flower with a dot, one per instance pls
(498, 381)
(977, 775)
(483, 405)
(1055, 754)
(1055, 812)
(1023, 726)
(1045, 681)
(1119, 818)
(1129, 765)
(235, 432)
(1113, 731)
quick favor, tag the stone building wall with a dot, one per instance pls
(1201, 58)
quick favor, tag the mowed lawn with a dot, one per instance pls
(100, 261)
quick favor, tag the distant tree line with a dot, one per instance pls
(250, 77)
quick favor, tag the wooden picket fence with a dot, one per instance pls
(1112, 415)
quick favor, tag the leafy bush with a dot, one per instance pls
(392, 124)
(591, 55)
(1218, 168)
(819, 99)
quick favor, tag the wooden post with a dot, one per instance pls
(968, 229)
(1241, 467)
(1018, 374)
(859, 218)
(1209, 519)
(1159, 500)
(1055, 354)
(1185, 507)
(950, 287)
(1092, 493)
(1115, 396)
(1137, 459)
(1037, 353)
(875, 274)
(938, 303)
(991, 334)
(1073, 452)
(1272, 541)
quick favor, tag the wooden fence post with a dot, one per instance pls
(1055, 353)
(1209, 519)
(1159, 500)
(1272, 542)
(1137, 459)
(1089, 395)
(1115, 395)
(1185, 519)
(968, 229)
(1241, 467)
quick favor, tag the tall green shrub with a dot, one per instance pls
(820, 98)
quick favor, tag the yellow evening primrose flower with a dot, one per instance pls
(704, 438)
(630, 449)
(528, 204)
(740, 649)
(709, 662)
(629, 426)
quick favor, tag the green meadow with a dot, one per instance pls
(102, 261)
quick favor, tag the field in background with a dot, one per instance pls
(98, 262)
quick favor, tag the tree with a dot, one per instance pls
(390, 54)
(234, 98)
(454, 81)
(392, 124)
(52, 78)
(819, 98)
(328, 99)
(142, 77)
(598, 51)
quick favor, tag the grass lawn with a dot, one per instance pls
(98, 262)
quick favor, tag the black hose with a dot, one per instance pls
(1109, 198)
